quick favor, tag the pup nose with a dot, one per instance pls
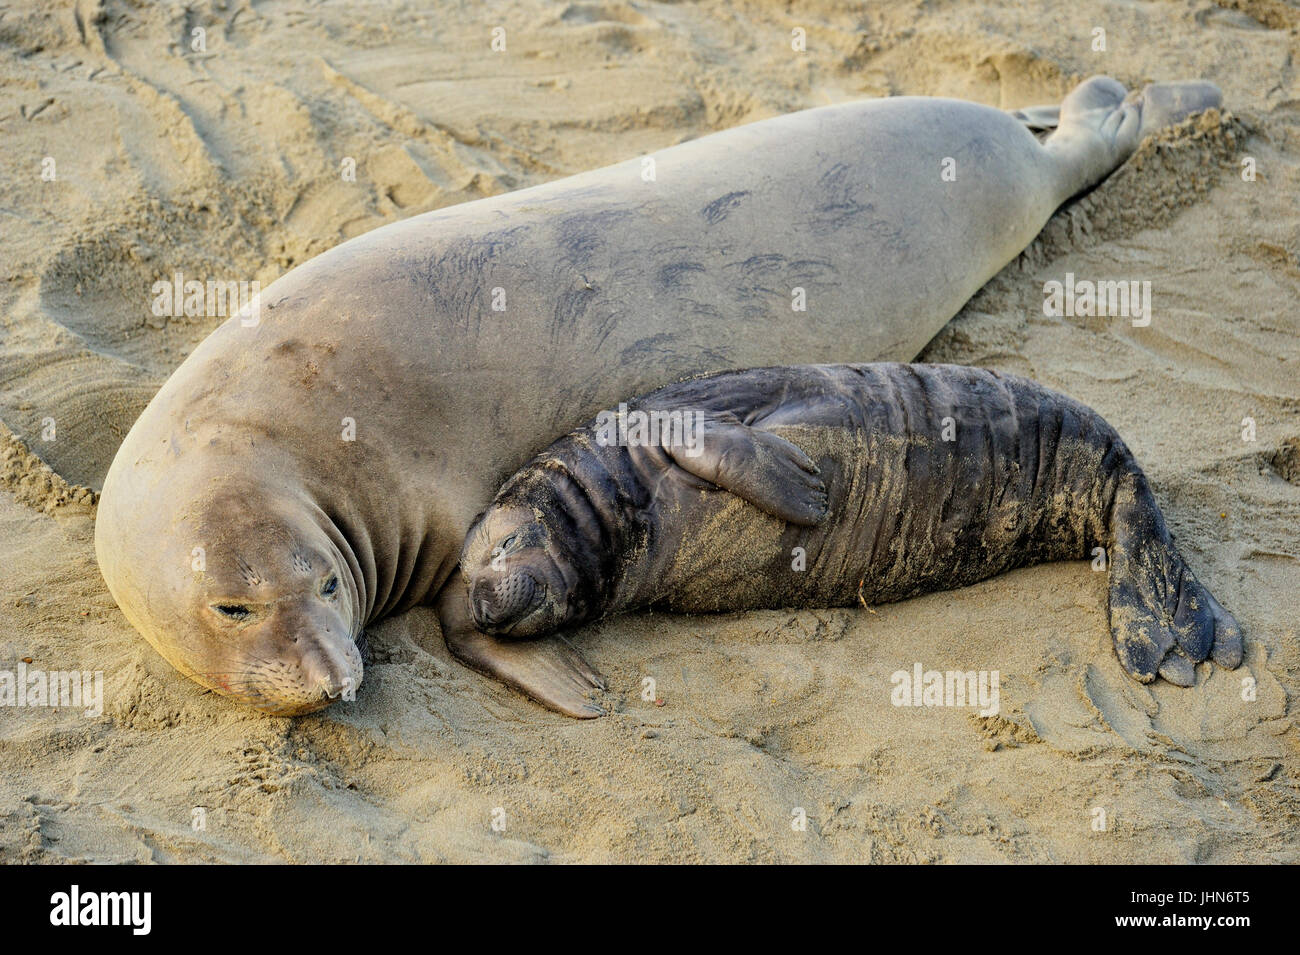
(499, 603)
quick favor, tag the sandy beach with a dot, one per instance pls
(133, 147)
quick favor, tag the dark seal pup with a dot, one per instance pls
(871, 482)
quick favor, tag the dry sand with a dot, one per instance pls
(227, 162)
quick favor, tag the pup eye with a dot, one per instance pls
(509, 542)
(331, 585)
(233, 611)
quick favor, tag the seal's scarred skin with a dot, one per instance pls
(827, 485)
(250, 532)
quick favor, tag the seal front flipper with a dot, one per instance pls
(548, 669)
(763, 468)
(1163, 620)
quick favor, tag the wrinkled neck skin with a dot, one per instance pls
(595, 506)
(647, 505)
(394, 545)
(653, 491)
(356, 564)
(384, 549)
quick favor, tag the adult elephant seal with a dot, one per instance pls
(846, 483)
(303, 475)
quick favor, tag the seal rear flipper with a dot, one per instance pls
(1101, 125)
(1178, 668)
(1167, 104)
(763, 468)
(1168, 635)
(1163, 620)
(1039, 119)
(1140, 641)
(1227, 649)
(548, 670)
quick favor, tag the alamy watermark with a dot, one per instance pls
(641, 429)
(133, 910)
(921, 687)
(1126, 298)
(192, 298)
(61, 689)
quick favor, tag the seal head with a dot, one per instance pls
(533, 561)
(255, 600)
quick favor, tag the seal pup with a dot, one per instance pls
(338, 429)
(827, 485)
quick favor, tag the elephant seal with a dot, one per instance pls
(826, 485)
(312, 466)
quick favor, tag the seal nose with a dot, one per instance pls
(498, 604)
(331, 672)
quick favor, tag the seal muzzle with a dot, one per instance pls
(499, 604)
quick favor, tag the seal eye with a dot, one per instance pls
(501, 550)
(233, 611)
(327, 589)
